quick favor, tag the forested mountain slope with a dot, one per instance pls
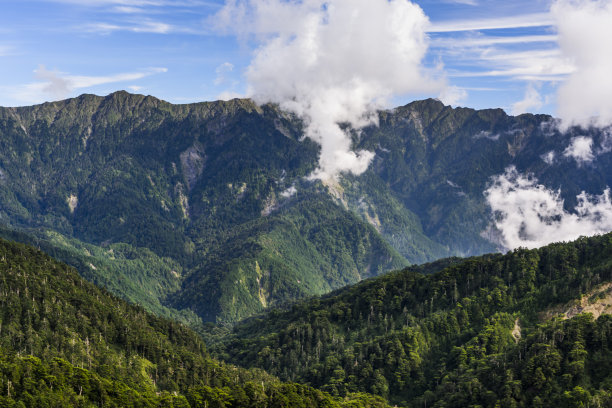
(482, 332)
(67, 343)
(203, 211)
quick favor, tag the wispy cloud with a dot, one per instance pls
(138, 3)
(154, 27)
(519, 21)
(5, 50)
(466, 2)
(484, 41)
(533, 65)
(128, 9)
(58, 85)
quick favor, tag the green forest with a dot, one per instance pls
(487, 331)
(67, 343)
(203, 212)
(479, 332)
(160, 255)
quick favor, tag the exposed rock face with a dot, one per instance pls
(192, 163)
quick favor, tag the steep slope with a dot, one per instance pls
(136, 274)
(185, 182)
(470, 333)
(437, 161)
(214, 195)
(64, 342)
(310, 246)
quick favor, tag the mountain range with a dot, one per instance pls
(222, 274)
(205, 212)
(65, 342)
(531, 328)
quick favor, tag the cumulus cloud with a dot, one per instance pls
(531, 101)
(331, 62)
(530, 215)
(584, 31)
(580, 149)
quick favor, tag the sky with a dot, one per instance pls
(485, 54)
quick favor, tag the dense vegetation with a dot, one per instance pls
(470, 334)
(64, 342)
(202, 212)
(195, 189)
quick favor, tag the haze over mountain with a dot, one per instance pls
(208, 208)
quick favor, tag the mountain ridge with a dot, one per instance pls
(188, 182)
(427, 334)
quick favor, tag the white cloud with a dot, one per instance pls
(534, 65)
(580, 149)
(606, 142)
(482, 40)
(531, 101)
(137, 3)
(585, 30)
(53, 82)
(222, 72)
(153, 27)
(519, 21)
(548, 158)
(466, 2)
(290, 192)
(59, 85)
(530, 215)
(128, 10)
(453, 95)
(333, 61)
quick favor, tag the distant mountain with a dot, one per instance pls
(529, 328)
(67, 343)
(202, 212)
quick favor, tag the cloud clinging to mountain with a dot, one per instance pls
(333, 62)
(530, 215)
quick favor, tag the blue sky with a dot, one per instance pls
(492, 53)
